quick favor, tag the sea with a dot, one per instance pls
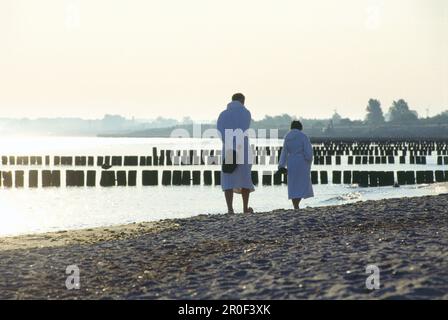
(31, 211)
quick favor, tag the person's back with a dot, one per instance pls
(297, 143)
(236, 116)
(236, 120)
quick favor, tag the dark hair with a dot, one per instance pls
(296, 124)
(239, 97)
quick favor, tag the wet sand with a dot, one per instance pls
(318, 253)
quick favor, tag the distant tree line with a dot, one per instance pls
(398, 114)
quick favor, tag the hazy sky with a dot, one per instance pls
(178, 58)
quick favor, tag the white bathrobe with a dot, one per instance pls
(236, 116)
(297, 155)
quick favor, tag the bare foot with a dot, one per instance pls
(231, 212)
(249, 210)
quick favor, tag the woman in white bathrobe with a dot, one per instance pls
(237, 118)
(297, 156)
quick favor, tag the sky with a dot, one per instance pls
(176, 58)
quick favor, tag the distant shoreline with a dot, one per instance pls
(352, 132)
(313, 139)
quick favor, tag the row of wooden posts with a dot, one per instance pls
(365, 160)
(330, 148)
(375, 152)
(194, 159)
(357, 144)
(110, 178)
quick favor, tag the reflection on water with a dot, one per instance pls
(29, 211)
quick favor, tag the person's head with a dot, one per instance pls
(296, 124)
(239, 97)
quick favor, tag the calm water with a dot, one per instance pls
(26, 210)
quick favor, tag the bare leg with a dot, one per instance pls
(296, 203)
(245, 194)
(229, 200)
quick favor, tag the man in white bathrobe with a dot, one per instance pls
(233, 125)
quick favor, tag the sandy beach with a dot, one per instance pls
(319, 253)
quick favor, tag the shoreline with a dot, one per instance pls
(119, 231)
(85, 235)
(318, 253)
